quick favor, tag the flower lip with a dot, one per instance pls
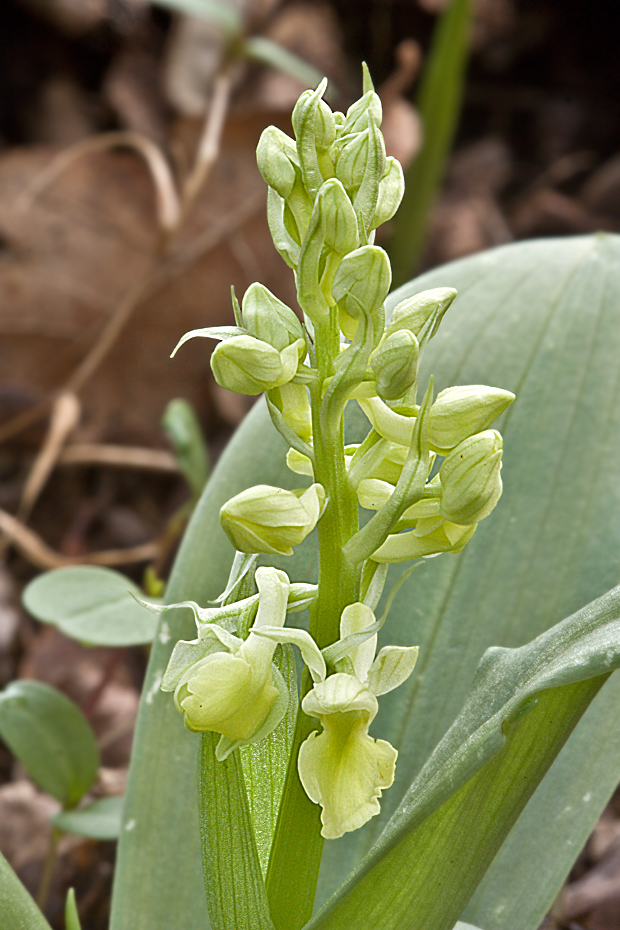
(343, 768)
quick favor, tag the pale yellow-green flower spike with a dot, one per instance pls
(271, 520)
(232, 691)
(343, 768)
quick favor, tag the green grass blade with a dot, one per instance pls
(439, 104)
(72, 918)
(523, 705)
(17, 909)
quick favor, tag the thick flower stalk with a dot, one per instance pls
(427, 473)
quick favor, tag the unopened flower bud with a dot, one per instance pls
(461, 411)
(414, 312)
(362, 281)
(250, 366)
(391, 190)
(324, 122)
(295, 409)
(470, 478)
(356, 119)
(277, 160)
(402, 547)
(271, 520)
(351, 163)
(268, 319)
(338, 217)
(395, 364)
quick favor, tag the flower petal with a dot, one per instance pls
(226, 694)
(344, 770)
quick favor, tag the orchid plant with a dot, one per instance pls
(292, 756)
(429, 468)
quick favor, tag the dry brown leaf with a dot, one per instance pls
(69, 260)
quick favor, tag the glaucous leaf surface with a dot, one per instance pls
(52, 739)
(541, 319)
(523, 704)
(90, 604)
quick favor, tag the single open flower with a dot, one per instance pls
(230, 685)
(343, 768)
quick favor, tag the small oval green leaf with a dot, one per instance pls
(100, 820)
(50, 736)
(91, 604)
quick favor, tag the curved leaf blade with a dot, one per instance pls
(541, 319)
(523, 705)
(147, 893)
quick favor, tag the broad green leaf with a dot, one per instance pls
(17, 909)
(91, 604)
(541, 319)
(72, 918)
(159, 812)
(233, 880)
(439, 104)
(522, 706)
(185, 434)
(52, 739)
(538, 318)
(100, 820)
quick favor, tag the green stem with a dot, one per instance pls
(48, 868)
(295, 859)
